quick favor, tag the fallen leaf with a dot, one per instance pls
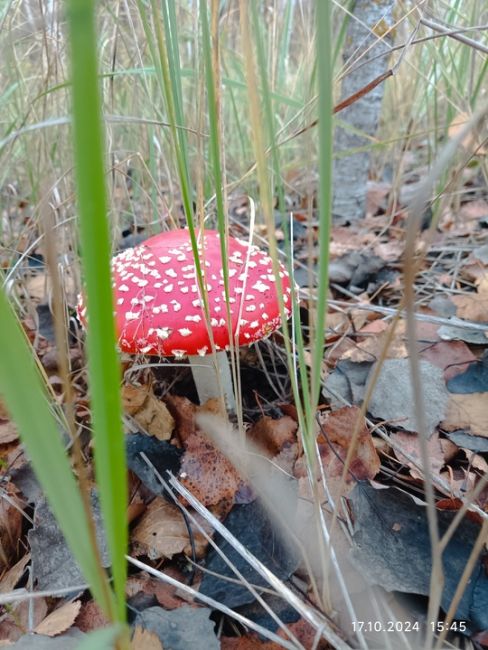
(20, 617)
(452, 357)
(467, 411)
(145, 640)
(151, 414)
(11, 509)
(371, 340)
(162, 532)
(334, 441)
(206, 472)
(165, 594)
(8, 432)
(91, 617)
(11, 577)
(272, 435)
(183, 412)
(60, 620)
(410, 444)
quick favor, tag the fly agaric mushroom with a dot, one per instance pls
(159, 310)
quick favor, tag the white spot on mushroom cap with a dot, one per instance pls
(202, 351)
(260, 286)
(184, 331)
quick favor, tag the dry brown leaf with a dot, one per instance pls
(183, 412)
(452, 356)
(473, 142)
(306, 635)
(165, 594)
(11, 508)
(150, 413)
(14, 624)
(334, 441)
(472, 306)
(272, 435)
(162, 532)
(410, 444)
(60, 620)
(13, 575)
(91, 617)
(371, 339)
(467, 411)
(206, 472)
(145, 640)
(8, 432)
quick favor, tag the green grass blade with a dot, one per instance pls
(103, 364)
(20, 381)
(325, 106)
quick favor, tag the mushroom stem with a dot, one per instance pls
(212, 378)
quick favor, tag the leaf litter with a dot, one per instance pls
(365, 267)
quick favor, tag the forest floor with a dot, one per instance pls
(383, 489)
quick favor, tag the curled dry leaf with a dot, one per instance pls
(162, 532)
(150, 414)
(206, 472)
(60, 620)
(272, 435)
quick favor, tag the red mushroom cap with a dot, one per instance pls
(159, 310)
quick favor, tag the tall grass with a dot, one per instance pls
(103, 364)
